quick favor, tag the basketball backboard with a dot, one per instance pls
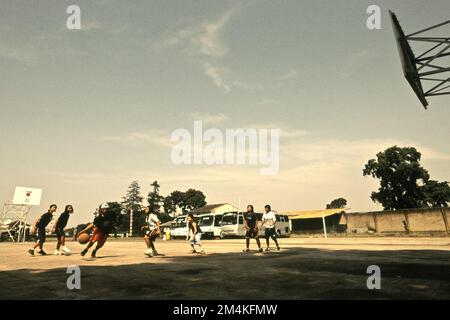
(27, 196)
(416, 69)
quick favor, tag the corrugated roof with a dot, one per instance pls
(313, 214)
(208, 208)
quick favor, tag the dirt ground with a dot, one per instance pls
(305, 268)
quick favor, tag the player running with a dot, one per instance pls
(251, 228)
(39, 227)
(61, 223)
(152, 233)
(103, 225)
(269, 221)
(194, 233)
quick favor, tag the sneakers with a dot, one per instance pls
(202, 252)
(267, 249)
(83, 253)
(246, 250)
(260, 250)
(66, 251)
(155, 253)
(278, 248)
(93, 254)
(148, 253)
(57, 253)
(31, 252)
(193, 251)
(42, 252)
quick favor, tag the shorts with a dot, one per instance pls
(99, 236)
(252, 233)
(60, 233)
(152, 235)
(41, 235)
(196, 239)
(270, 232)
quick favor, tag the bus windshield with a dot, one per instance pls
(229, 218)
(206, 221)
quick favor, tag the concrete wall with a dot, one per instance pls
(413, 220)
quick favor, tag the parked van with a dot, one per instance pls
(233, 224)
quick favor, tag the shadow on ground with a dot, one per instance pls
(296, 273)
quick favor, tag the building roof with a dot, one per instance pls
(208, 208)
(313, 214)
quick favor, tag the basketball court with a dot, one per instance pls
(314, 268)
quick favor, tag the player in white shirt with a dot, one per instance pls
(152, 232)
(268, 221)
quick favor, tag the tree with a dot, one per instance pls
(132, 202)
(169, 205)
(186, 201)
(404, 183)
(338, 203)
(133, 199)
(437, 194)
(194, 199)
(154, 198)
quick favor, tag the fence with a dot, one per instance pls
(411, 220)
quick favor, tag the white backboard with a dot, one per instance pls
(28, 196)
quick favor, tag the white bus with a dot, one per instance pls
(210, 224)
(233, 225)
(179, 227)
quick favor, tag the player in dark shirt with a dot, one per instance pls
(59, 230)
(39, 228)
(251, 228)
(103, 226)
(194, 234)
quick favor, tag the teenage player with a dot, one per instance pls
(251, 228)
(103, 225)
(194, 233)
(269, 220)
(152, 232)
(61, 223)
(39, 227)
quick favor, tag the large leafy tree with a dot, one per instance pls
(338, 203)
(404, 183)
(187, 201)
(194, 199)
(437, 194)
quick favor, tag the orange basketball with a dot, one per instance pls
(83, 238)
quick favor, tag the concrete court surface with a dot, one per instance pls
(305, 268)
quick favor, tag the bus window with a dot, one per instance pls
(277, 218)
(281, 218)
(206, 221)
(229, 219)
(241, 219)
(218, 220)
(286, 218)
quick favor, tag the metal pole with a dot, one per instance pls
(131, 222)
(324, 226)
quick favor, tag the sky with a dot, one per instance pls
(85, 112)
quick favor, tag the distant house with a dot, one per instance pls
(215, 208)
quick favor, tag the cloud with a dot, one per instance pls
(217, 75)
(208, 118)
(21, 56)
(157, 137)
(203, 39)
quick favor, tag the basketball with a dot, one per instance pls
(83, 238)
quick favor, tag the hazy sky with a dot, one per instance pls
(85, 112)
